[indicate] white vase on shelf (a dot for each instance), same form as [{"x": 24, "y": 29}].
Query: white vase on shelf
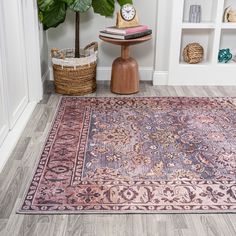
[{"x": 195, "y": 12}]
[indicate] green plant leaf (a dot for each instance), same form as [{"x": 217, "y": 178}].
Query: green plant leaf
[
  {"x": 104, "y": 7},
  {"x": 45, "y": 5},
  {"x": 123, "y": 2},
  {"x": 68, "y": 1},
  {"x": 53, "y": 12},
  {"x": 54, "y": 16},
  {"x": 79, "y": 5}
]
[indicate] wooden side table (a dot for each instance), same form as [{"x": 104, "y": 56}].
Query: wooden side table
[{"x": 125, "y": 73}]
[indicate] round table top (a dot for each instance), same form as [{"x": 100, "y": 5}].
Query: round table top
[{"x": 126, "y": 42}]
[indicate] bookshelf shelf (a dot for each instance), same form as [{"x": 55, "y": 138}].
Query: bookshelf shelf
[
  {"x": 229, "y": 64},
  {"x": 205, "y": 25},
  {"x": 203, "y": 64},
  {"x": 228, "y": 26},
  {"x": 212, "y": 33}
]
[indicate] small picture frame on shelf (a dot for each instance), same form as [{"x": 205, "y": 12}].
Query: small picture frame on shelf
[{"x": 195, "y": 13}]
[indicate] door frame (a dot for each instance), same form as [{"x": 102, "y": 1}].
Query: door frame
[
  {"x": 31, "y": 36},
  {"x": 32, "y": 49},
  {"x": 5, "y": 129},
  {"x": 33, "y": 73}
]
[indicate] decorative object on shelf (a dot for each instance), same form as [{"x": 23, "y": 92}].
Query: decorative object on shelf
[
  {"x": 232, "y": 16},
  {"x": 127, "y": 17},
  {"x": 75, "y": 76},
  {"x": 69, "y": 79},
  {"x": 195, "y": 13},
  {"x": 193, "y": 53},
  {"x": 229, "y": 15},
  {"x": 224, "y": 55},
  {"x": 226, "y": 14}
]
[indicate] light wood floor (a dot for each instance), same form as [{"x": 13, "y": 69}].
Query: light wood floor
[{"x": 19, "y": 170}]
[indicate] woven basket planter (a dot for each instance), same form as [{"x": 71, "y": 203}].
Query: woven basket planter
[{"x": 75, "y": 76}]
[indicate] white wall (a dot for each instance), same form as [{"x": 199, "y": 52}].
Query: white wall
[
  {"x": 162, "y": 42},
  {"x": 163, "y": 35},
  {"x": 155, "y": 13},
  {"x": 44, "y": 54}
]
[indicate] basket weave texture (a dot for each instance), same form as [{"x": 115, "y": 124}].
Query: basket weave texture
[
  {"x": 75, "y": 76},
  {"x": 193, "y": 53}
]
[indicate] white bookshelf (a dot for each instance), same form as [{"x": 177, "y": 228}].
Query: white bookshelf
[
  {"x": 228, "y": 26},
  {"x": 212, "y": 33}
]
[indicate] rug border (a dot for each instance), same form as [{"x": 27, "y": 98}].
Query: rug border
[{"x": 21, "y": 202}]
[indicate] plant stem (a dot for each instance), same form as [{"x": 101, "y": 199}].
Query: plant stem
[{"x": 77, "y": 35}]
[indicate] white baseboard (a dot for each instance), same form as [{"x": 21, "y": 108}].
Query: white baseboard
[
  {"x": 160, "y": 78},
  {"x": 104, "y": 73},
  {"x": 13, "y": 136},
  {"x": 46, "y": 76},
  {"x": 146, "y": 73}
]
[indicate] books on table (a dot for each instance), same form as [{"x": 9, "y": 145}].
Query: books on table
[
  {"x": 127, "y": 36},
  {"x": 126, "y": 33}
]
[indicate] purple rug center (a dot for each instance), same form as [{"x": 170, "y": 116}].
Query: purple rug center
[{"x": 153, "y": 144}]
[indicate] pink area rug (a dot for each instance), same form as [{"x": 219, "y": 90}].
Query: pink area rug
[{"x": 137, "y": 155}]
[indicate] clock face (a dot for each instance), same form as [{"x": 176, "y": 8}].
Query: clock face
[{"x": 128, "y": 12}]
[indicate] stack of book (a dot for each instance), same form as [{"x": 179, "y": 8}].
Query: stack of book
[{"x": 126, "y": 33}]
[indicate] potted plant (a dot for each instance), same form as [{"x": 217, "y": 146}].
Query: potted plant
[{"x": 74, "y": 72}]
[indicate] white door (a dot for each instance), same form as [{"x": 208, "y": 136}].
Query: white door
[
  {"x": 16, "y": 57},
  {"x": 3, "y": 111}
]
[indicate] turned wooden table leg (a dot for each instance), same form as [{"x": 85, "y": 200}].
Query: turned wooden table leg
[{"x": 125, "y": 74}]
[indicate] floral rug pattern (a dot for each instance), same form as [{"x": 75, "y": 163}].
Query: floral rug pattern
[{"x": 137, "y": 155}]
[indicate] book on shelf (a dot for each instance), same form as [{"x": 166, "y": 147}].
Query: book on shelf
[
  {"x": 127, "y": 36},
  {"x": 125, "y": 31}
]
